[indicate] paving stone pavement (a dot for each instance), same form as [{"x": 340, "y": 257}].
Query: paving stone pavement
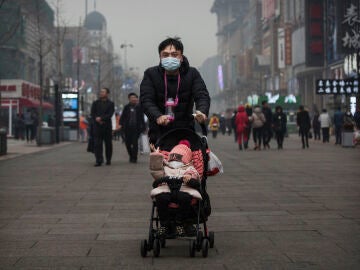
[{"x": 290, "y": 209}]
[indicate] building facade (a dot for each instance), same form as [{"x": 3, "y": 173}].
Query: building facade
[
  {"x": 27, "y": 57},
  {"x": 282, "y": 47}
]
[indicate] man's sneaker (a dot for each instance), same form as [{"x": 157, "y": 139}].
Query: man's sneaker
[{"x": 180, "y": 231}]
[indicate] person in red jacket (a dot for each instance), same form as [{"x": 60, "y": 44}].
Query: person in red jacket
[{"x": 242, "y": 122}]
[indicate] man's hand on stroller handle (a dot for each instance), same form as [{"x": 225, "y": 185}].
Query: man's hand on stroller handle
[
  {"x": 162, "y": 120},
  {"x": 199, "y": 116}
]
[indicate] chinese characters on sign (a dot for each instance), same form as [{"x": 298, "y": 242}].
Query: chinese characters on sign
[
  {"x": 337, "y": 87},
  {"x": 351, "y": 39}
]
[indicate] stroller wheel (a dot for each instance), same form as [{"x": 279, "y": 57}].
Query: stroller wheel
[
  {"x": 156, "y": 250},
  {"x": 192, "y": 248},
  {"x": 143, "y": 248},
  {"x": 211, "y": 239},
  {"x": 199, "y": 238},
  {"x": 205, "y": 247},
  {"x": 163, "y": 242}
]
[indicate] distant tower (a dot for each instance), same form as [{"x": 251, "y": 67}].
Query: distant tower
[{"x": 86, "y": 8}]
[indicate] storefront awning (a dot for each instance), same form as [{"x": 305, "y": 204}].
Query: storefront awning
[{"x": 34, "y": 103}]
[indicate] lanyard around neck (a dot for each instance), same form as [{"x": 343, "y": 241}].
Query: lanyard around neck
[{"x": 177, "y": 90}]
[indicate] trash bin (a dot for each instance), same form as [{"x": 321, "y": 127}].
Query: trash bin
[
  {"x": 47, "y": 135},
  {"x": 3, "y": 142},
  {"x": 347, "y": 139},
  {"x": 65, "y": 133}
]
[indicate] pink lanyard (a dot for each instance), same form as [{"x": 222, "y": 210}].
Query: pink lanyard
[{"x": 177, "y": 90}]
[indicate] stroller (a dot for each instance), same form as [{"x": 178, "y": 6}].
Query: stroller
[{"x": 200, "y": 239}]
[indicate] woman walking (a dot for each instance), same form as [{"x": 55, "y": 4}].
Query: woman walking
[
  {"x": 241, "y": 122},
  {"x": 257, "y": 122}
]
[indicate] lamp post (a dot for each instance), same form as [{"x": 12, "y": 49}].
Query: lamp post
[
  {"x": 97, "y": 63},
  {"x": 125, "y": 46}
]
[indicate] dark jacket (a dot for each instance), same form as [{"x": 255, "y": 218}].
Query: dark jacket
[
  {"x": 103, "y": 109},
  {"x": 338, "y": 119},
  {"x": 279, "y": 122},
  {"x": 268, "y": 116},
  {"x": 316, "y": 122},
  {"x": 125, "y": 118},
  {"x": 303, "y": 121},
  {"x": 357, "y": 119},
  {"x": 192, "y": 90}
]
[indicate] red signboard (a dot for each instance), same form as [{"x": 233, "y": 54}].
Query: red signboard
[
  {"x": 288, "y": 48},
  {"x": 314, "y": 33},
  {"x": 30, "y": 91},
  {"x": 7, "y": 88}
]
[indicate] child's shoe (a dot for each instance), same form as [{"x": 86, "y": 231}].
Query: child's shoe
[{"x": 180, "y": 230}]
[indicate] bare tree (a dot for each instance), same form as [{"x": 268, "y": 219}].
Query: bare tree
[{"x": 43, "y": 47}]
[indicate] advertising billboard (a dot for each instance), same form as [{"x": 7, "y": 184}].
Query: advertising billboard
[{"x": 70, "y": 103}]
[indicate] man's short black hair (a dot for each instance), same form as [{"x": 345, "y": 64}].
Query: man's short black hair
[
  {"x": 264, "y": 102},
  {"x": 132, "y": 94},
  {"x": 175, "y": 41},
  {"x": 107, "y": 90}
]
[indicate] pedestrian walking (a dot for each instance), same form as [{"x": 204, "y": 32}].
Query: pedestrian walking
[
  {"x": 279, "y": 125},
  {"x": 303, "y": 123},
  {"x": 116, "y": 133},
  {"x": 132, "y": 124},
  {"x": 35, "y": 125},
  {"x": 29, "y": 125},
  {"x": 233, "y": 124},
  {"x": 316, "y": 126},
  {"x": 214, "y": 124},
  {"x": 267, "y": 128},
  {"x": 242, "y": 122},
  {"x": 19, "y": 127},
  {"x": 222, "y": 123},
  {"x": 325, "y": 123},
  {"x": 357, "y": 117},
  {"x": 338, "y": 124},
  {"x": 228, "y": 123},
  {"x": 174, "y": 79},
  {"x": 248, "y": 110},
  {"x": 257, "y": 122},
  {"x": 101, "y": 113},
  {"x": 83, "y": 126},
  {"x": 349, "y": 123}
]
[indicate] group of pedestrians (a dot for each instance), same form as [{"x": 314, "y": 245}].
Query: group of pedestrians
[
  {"x": 262, "y": 123},
  {"x": 26, "y": 126}
]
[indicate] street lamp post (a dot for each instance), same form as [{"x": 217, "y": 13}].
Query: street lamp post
[
  {"x": 97, "y": 63},
  {"x": 125, "y": 46}
]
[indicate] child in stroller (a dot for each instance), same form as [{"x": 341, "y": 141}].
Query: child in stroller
[
  {"x": 179, "y": 165},
  {"x": 180, "y": 200}
]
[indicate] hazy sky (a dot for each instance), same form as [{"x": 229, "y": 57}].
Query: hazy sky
[{"x": 145, "y": 23}]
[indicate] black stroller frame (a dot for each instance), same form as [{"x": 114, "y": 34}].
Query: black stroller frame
[{"x": 202, "y": 239}]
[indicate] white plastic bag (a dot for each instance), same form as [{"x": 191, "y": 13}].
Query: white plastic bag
[
  {"x": 144, "y": 144},
  {"x": 214, "y": 165}
]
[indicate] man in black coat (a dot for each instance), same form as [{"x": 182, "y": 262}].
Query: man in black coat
[
  {"x": 304, "y": 124},
  {"x": 101, "y": 113},
  {"x": 132, "y": 124},
  {"x": 267, "y": 129},
  {"x": 173, "y": 78}
]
